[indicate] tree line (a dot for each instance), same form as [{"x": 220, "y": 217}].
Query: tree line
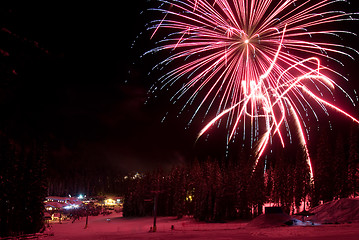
[
  {"x": 218, "y": 190},
  {"x": 22, "y": 186}
]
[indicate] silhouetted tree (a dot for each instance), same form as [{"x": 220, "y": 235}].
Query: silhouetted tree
[
  {"x": 179, "y": 184},
  {"x": 340, "y": 166},
  {"x": 23, "y": 186},
  {"x": 256, "y": 189},
  {"x": 323, "y": 170},
  {"x": 301, "y": 178},
  {"x": 353, "y": 162}
]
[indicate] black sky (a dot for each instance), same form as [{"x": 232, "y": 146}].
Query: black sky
[
  {"x": 87, "y": 105},
  {"x": 83, "y": 107}
]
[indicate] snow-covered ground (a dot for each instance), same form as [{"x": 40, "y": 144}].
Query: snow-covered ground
[
  {"x": 338, "y": 211},
  {"x": 116, "y": 227}
]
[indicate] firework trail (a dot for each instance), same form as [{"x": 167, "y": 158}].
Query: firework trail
[{"x": 253, "y": 60}]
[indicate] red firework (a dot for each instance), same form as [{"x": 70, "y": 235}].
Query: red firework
[{"x": 253, "y": 60}]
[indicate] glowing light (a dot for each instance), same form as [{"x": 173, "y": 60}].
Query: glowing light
[
  {"x": 71, "y": 206},
  {"x": 253, "y": 61},
  {"x": 110, "y": 202}
]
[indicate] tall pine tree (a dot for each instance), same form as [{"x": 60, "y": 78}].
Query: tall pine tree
[
  {"x": 323, "y": 170},
  {"x": 340, "y": 165},
  {"x": 23, "y": 187},
  {"x": 353, "y": 162}
]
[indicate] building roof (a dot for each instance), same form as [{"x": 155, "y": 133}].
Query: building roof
[{"x": 55, "y": 204}]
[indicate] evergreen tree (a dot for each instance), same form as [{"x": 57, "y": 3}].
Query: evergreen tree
[
  {"x": 269, "y": 183},
  {"x": 323, "y": 170},
  {"x": 243, "y": 176},
  {"x": 169, "y": 186},
  {"x": 230, "y": 187},
  {"x": 353, "y": 162},
  {"x": 301, "y": 178},
  {"x": 138, "y": 191},
  {"x": 195, "y": 186},
  {"x": 218, "y": 192},
  {"x": 256, "y": 189},
  {"x": 23, "y": 187},
  {"x": 340, "y": 165},
  {"x": 283, "y": 182},
  {"x": 7, "y": 183},
  {"x": 35, "y": 190},
  {"x": 180, "y": 191}
]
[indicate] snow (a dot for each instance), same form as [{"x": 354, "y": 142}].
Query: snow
[
  {"x": 270, "y": 220},
  {"x": 339, "y": 211},
  {"x": 116, "y": 227}
]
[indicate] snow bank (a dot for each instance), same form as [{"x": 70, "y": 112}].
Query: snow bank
[
  {"x": 339, "y": 211},
  {"x": 271, "y": 220}
]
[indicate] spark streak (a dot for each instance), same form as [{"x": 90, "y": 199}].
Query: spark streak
[{"x": 252, "y": 59}]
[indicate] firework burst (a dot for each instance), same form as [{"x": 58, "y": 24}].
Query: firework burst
[{"x": 253, "y": 60}]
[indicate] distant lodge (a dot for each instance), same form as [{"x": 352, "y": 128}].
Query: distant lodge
[{"x": 55, "y": 205}]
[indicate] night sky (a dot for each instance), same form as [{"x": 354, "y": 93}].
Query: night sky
[{"x": 91, "y": 107}]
